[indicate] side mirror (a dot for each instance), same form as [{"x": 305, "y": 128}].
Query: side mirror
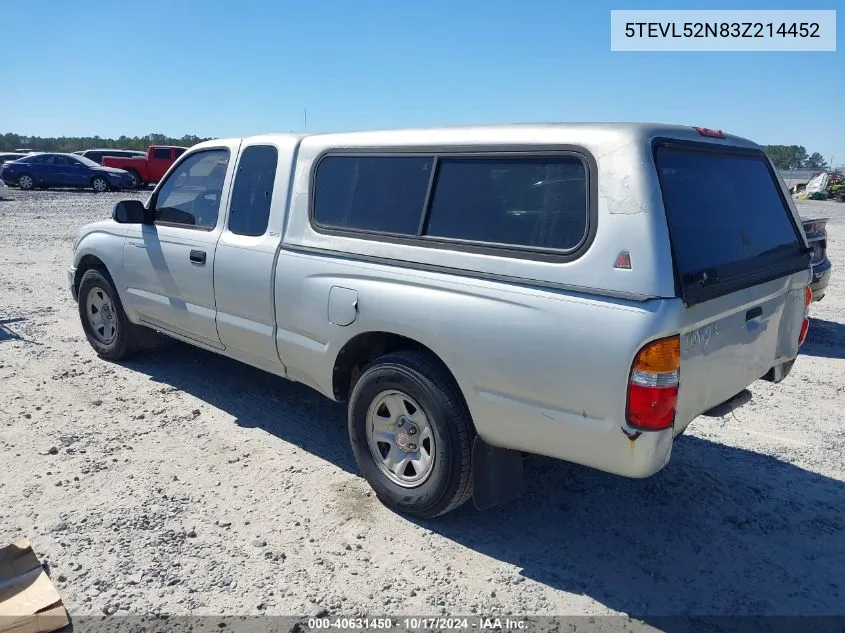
[{"x": 130, "y": 212}]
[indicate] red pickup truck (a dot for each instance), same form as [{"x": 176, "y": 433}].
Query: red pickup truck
[{"x": 149, "y": 168}]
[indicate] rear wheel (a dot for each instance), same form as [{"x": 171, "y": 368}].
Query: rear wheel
[
  {"x": 107, "y": 328},
  {"x": 26, "y": 182},
  {"x": 412, "y": 435},
  {"x": 99, "y": 184}
]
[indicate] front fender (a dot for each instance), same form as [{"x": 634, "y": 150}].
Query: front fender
[{"x": 102, "y": 241}]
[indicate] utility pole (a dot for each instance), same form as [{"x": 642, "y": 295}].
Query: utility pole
[{"x": 305, "y": 117}]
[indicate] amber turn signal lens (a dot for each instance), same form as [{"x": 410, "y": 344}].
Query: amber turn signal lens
[{"x": 661, "y": 356}]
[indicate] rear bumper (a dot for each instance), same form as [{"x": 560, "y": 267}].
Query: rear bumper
[
  {"x": 779, "y": 372},
  {"x": 599, "y": 444},
  {"x": 120, "y": 182},
  {"x": 71, "y": 281},
  {"x": 821, "y": 278}
]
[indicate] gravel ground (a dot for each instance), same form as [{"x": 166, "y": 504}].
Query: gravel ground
[{"x": 186, "y": 483}]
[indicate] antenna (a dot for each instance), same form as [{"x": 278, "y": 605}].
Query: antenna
[{"x": 305, "y": 117}]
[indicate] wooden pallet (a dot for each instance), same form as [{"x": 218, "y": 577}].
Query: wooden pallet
[{"x": 29, "y": 602}]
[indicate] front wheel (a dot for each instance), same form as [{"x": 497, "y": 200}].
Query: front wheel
[
  {"x": 412, "y": 434},
  {"x": 26, "y": 182},
  {"x": 137, "y": 183},
  {"x": 107, "y": 328},
  {"x": 99, "y": 184}
]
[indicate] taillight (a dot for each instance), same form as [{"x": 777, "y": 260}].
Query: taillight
[
  {"x": 805, "y": 325},
  {"x": 653, "y": 385},
  {"x": 711, "y": 133}
]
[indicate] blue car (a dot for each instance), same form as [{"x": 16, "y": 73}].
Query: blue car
[{"x": 63, "y": 170}]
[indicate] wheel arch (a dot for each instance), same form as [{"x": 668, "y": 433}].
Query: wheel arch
[
  {"x": 90, "y": 261},
  {"x": 86, "y": 263},
  {"x": 363, "y": 348}
]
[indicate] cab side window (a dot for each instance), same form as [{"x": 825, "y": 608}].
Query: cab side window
[
  {"x": 191, "y": 194},
  {"x": 252, "y": 193}
]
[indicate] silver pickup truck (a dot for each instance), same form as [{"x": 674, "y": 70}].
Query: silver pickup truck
[{"x": 581, "y": 291}]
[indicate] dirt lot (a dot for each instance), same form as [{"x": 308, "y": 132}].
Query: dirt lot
[{"x": 182, "y": 482}]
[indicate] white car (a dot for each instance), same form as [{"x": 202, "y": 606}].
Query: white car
[{"x": 4, "y": 191}]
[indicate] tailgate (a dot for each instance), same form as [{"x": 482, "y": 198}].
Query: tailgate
[
  {"x": 741, "y": 266},
  {"x": 730, "y": 342}
]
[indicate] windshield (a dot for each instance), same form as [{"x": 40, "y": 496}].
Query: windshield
[{"x": 86, "y": 161}]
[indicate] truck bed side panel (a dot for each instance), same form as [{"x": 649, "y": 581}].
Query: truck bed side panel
[{"x": 542, "y": 371}]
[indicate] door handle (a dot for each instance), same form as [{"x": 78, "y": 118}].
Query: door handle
[
  {"x": 198, "y": 257},
  {"x": 754, "y": 313}
]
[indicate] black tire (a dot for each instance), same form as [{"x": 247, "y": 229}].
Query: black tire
[
  {"x": 422, "y": 377},
  {"x": 100, "y": 184},
  {"x": 26, "y": 182},
  {"x": 138, "y": 184},
  {"x": 128, "y": 339}
]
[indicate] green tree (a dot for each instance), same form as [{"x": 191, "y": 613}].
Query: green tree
[
  {"x": 815, "y": 161},
  {"x": 11, "y": 141},
  {"x": 787, "y": 156}
]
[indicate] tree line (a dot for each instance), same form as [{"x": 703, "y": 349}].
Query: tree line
[
  {"x": 9, "y": 142},
  {"x": 795, "y": 157}
]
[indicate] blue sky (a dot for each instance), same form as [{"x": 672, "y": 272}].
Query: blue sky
[{"x": 242, "y": 67}]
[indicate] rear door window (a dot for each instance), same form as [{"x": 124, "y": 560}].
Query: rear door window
[
  {"x": 161, "y": 152},
  {"x": 729, "y": 224},
  {"x": 249, "y": 210}
]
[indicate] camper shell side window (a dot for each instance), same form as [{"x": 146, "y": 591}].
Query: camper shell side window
[{"x": 531, "y": 205}]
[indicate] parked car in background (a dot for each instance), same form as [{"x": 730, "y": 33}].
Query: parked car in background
[
  {"x": 62, "y": 170},
  {"x": 5, "y": 156},
  {"x": 149, "y": 167},
  {"x": 26, "y": 150},
  {"x": 97, "y": 155},
  {"x": 578, "y": 291},
  {"x": 816, "y": 232}
]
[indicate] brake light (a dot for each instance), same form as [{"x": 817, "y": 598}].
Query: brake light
[
  {"x": 705, "y": 131},
  {"x": 805, "y": 324},
  {"x": 653, "y": 385}
]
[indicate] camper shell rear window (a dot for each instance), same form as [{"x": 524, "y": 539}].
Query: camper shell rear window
[{"x": 729, "y": 223}]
